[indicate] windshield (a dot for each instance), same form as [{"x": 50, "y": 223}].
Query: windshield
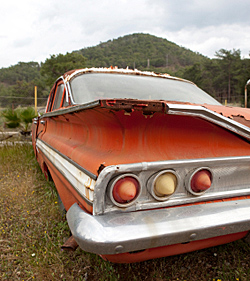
[{"x": 93, "y": 86}]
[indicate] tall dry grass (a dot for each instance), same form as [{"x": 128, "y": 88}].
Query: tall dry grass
[{"x": 32, "y": 229}]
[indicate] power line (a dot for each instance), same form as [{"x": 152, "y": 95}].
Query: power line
[{"x": 15, "y": 97}]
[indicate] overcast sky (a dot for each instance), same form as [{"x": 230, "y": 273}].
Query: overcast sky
[{"x": 33, "y": 30}]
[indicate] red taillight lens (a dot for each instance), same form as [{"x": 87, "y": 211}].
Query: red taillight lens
[
  {"x": 201, "y": 181},
  {"x": 125, "y": 189}
]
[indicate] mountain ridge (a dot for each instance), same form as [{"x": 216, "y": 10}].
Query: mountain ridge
[{"x": 140, "y": 50}]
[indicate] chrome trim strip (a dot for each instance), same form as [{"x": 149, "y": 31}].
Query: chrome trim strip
[
  {"x": 211, "y": 116},
  {"x": 72, "y": 109},
  {"x": 92, "y": 176},
  {"x": 235, "y": 168},
  {"x": 66, "y": 89},
  {"x": 70, "y": 92},
  {"x": 120, "y": 233},
  {"x": 74, "y": 173},
  {"x": 174, "y": 109}
]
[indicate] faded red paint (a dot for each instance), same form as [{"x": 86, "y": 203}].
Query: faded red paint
[
  {"x": 108, "y": 137},
  {"x": 239, "y": 114},
  {"x": 172, "y": 250},
  {"x": 129, "y": 132}
]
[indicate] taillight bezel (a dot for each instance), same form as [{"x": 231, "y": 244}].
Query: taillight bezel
[
  {"x": 191, "y": 175},
  {"x": 152, "y": 180},
  {"x": 112, "y": 185}
]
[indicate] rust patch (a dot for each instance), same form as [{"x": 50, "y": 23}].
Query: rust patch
[
  {"x": 238, "y": 114},
  {"x": 101, "y": 167},
  {"x": 70, "y": 244},
  {"x": 148, "y": 107}
]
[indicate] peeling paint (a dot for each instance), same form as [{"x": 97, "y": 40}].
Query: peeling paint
[
  {"x": 239, "y": 114},
  {"x": 69, "y": 75}
]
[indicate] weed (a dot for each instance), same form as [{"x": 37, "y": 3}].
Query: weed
[{"x": 32, "y": 230}]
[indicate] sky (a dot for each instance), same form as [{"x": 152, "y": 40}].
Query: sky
[{"x": 34, "y": 30}]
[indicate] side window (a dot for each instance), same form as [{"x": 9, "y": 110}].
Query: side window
[
  {"x": 65, "y": 103},
  {"x": 58, "y": 96}
]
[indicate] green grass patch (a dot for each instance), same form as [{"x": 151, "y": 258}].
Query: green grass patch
[{"x": 32, "y": 230}]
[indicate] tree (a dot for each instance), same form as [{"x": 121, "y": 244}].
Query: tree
[
  {"x": 229, "y": 62},
  {"x": 56, "y": 66}
]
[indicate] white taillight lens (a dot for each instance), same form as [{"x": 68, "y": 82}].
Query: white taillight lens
[{"x": 163, "y": 184}]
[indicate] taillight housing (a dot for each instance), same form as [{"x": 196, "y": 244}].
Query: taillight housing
[
  {"x": 163, "y": 184},
  {"x": 124, "y": 190},
  {"x": 199, "y": 181}
]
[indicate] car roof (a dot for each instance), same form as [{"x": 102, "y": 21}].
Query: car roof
[{"x": 115, "y": 70}]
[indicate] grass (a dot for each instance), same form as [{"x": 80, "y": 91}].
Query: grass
[{"x": 32, "y": 229}]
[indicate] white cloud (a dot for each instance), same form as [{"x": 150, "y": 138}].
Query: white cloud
[
  {"x": 33, "y": 30},
  {"x": 210, "y": 39}
]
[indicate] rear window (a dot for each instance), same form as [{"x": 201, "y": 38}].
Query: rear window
[{"x": 92, "y": 86}]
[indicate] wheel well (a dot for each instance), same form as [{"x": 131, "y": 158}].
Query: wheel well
[{"x": 47, "y": 172}]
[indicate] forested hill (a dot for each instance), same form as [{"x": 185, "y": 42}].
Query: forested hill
[
  {"x": 223, "y": 77},
  {"x": 140, "y": 51}
]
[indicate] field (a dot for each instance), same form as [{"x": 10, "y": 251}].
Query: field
[{"x": 32, "y": 230}]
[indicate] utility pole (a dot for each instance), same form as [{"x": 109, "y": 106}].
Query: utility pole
[
  {"x": 35, "y": 99},
  {"x": 248, "y": 83}
]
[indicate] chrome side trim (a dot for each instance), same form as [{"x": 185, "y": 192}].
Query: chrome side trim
[
  {"x": 211, "y": 116},
  {"x": 72, "y": 109},
  {"x": 74, "y": 173},
  {"x": 120, "y": 233}
]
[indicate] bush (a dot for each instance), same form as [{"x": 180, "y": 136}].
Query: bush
[{"x": 19, "y": 118}]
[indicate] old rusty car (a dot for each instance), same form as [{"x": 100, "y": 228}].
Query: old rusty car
[{"x": 146, "y": 165}]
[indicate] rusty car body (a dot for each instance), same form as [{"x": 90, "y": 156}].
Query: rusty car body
[{"x": 146, "y": 165}]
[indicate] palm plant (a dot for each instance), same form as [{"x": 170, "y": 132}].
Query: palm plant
[
  {"x": 12, "y": 118},
  {"x": 19, "y": 118},
  {"x": 26, "y": 116}
]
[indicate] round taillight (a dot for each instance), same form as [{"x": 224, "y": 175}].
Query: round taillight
[
  {"x": 124, "y": 190},
  {"x": 163, "y": 184},
  {"x": 200, "y": 181}
]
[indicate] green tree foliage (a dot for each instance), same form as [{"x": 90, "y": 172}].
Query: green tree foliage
[
  {"x": 56, "y": 66},
  {"x": 229, "y": 69},
  {"x": 223, "y": 77},
  {"x": 17, "y": 85},
  {"x": 20, "y": 72},
  {"x": 141, "y": 51}
]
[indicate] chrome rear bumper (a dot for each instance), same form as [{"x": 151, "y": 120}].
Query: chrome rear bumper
[{"x": 126, "y": 232}]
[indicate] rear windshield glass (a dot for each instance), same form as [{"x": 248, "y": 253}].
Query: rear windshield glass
[{"x": 93, "y": 86}]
